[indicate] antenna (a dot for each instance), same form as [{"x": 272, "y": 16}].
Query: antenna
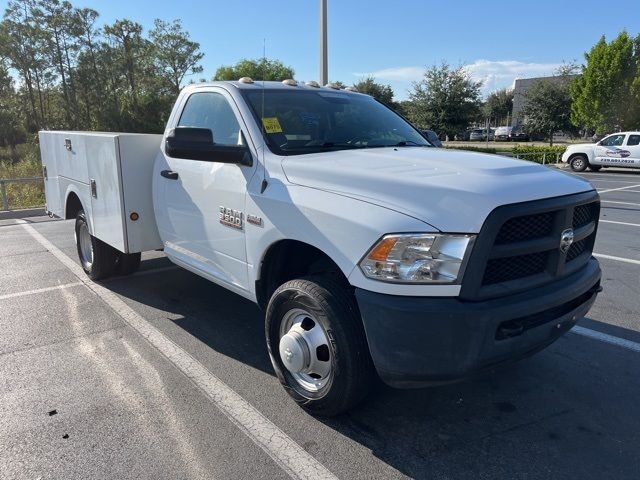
[{"x": 263, "y": 187}]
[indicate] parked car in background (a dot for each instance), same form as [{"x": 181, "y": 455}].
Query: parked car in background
[
  {"x": 517, "y": 134},
  {"x": 432, "y": 137},
  {"x": 480, "y": 135},
  {"x": 620, "y": 149},
  {"x": 464, "y": 136},
  {"x": 502, "y": 134}
]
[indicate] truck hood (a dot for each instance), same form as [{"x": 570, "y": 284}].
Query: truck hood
[
  {"x": 451, "y": 190},
  {"x": 580, "y": 145}
]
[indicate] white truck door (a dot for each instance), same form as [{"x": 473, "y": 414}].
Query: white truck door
[
  {"x": 188, "y": 205},
  {"x": 633, "y": 146},
  {"x": 609, "y": 152}
]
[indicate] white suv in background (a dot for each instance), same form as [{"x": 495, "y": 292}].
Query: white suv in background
[{"x": 616, "y": 150}]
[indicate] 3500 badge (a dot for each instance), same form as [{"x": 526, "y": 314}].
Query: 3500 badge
[{"x": 230, "y": 217}]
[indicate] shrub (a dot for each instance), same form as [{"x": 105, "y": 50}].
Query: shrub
[
  {"x": 475, "y": 149},
  {"x": 538, "y": 154},
  {"x": 24, "y": 164}
]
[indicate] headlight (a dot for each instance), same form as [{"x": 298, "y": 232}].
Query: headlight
[{"x": 418, "y": 258}]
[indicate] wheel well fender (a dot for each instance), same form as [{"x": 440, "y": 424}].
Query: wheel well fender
[
  {"x": 585, "y": 155},
  {"x": 287, "y": 259},
  {"x": 72, "y": 205}
]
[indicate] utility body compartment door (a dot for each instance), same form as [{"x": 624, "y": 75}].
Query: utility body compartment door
[
  {"x": 53, "y": 194},
  {"x": 107, "y": 202}
]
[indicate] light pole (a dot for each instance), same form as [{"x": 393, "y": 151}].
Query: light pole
[{"x": 324, "y": 75}]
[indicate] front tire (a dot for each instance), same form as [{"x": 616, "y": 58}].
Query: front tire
[
  {"x": 314, "y": 327},
  {"x": 98, "y": 259},
  {"x": 579, "y": 163}
]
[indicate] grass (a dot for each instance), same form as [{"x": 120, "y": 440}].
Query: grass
[{"x": 24, "y": 163}]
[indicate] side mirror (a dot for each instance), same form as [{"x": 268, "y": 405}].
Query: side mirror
[{"x": 197, "y": 144}]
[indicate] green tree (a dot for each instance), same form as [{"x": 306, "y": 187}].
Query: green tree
[
  {"x": 175, "y": 54},
  {"x": 21, "y": 44},
  {"x": 446, "y": 100},
  {"x": 11, "y": 124},
  {"x": 547, "y": 108},
  {"x": 260, "y": 69},
  {"x": 337, "y": 83},
  {"x": 498, "y": 106},
  {"x": 606, "y": 96},
  {"x": 382, "y": 93}
]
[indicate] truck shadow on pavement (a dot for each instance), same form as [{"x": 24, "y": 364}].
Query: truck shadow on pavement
[{"x": 568, "y": 412}]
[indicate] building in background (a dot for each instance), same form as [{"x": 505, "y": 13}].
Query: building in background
[{"x": 521, "y": 87}]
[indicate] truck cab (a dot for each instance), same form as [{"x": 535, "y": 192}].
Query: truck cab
[{"x": 370, "y": 251}]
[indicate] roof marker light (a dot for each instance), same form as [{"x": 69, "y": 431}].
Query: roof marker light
[
  {"x": 351, "y": 89},
  {"x": 246, "y": 80},
  {"x": 333, "y": 86},
  {"x": 291, "y": 82},
  {"x": 313, "y": 83}
]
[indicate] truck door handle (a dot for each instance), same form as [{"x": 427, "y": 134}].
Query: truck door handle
[{"x": 169, "y": 174}]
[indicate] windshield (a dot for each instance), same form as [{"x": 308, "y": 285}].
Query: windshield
[{"x": 297, "y": 122}]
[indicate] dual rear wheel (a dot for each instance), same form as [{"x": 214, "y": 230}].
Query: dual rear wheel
[{"x": 98, "y": 259}]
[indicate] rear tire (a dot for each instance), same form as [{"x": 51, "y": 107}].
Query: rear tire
[
  {"x": 127, "y": 263},
  {"x": 332, "y": 342},
  {"x": 98, "y": 259},
  {"x": 579, "y": 163}
]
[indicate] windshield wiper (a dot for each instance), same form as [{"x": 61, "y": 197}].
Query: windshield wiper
[
  {"x": 324, "y": 146},
  {"x": 409, "y": 143}
]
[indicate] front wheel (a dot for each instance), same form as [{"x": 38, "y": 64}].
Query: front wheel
[
  {"x": 579, "y": 163},
  {"x": 98, "y": 259},
  {"x": 317, "y": 345}
]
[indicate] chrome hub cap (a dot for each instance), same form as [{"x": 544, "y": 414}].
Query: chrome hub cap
[
  {"x": 578, "y": 163},
  {"x": 304, "y": 350},
  {"x": 86, "y": 249}
]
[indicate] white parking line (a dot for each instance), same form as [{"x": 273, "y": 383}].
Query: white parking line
[
  {"x": 621, "y": 203},
  {"x": 604, "y": 337},
  {"x": 290, "y": 456},
  {"x": 608, "y": 181},
  {"x": 39, "y": 290},
  {"x": 607, "y": 175},
  {"x": 617, "y": 259},
  {"x": 616, "y": 189},
  {"x": 621, "y": 223}
]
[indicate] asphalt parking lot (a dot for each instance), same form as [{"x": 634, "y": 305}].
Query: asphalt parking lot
[{"x": 88, "y": 390}]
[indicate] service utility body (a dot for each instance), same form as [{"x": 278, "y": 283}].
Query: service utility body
[{"x": 370, "y": 251}]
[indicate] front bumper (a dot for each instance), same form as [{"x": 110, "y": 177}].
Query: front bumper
[{"x": 417, "y": 341}]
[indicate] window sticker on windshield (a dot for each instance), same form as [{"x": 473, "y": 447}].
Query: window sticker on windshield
[{"x": 271, "y": 125}]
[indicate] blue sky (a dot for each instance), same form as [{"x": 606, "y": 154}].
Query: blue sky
[{"x": 394, "y": 41}]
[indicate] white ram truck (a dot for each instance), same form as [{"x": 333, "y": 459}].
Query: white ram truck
[
  {"x": 370, "y": 251},
  {"x": 617, "y": 150}
]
